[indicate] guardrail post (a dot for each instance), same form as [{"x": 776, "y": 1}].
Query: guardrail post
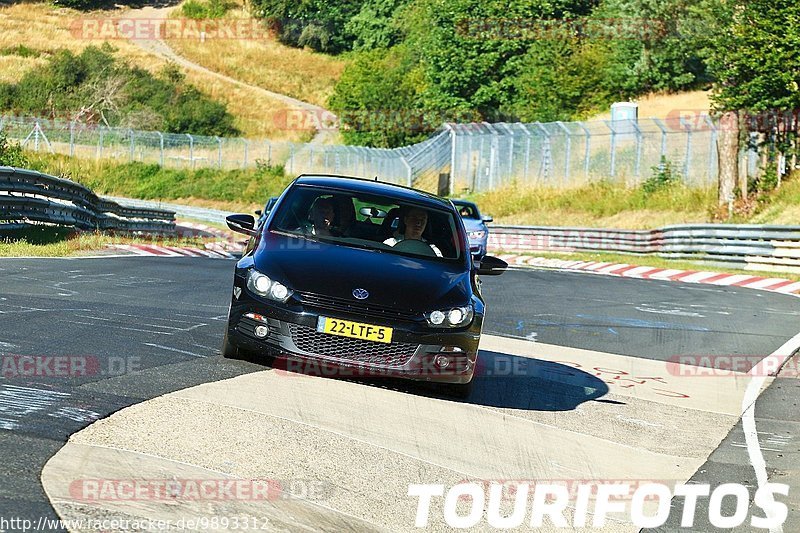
[
  {"x": 191, "y": 150},
  {"x": 219, "y": 153}
]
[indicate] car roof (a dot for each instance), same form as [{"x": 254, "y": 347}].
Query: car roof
[
  {"x": 466, "y": 202},
  {"x": 362, "y": 185}
]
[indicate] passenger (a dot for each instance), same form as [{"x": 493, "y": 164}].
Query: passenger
[
  {"x": 345, "y": 217},
  {"x": 413, "y": 225},
  {"x": 321, "y": 216}
]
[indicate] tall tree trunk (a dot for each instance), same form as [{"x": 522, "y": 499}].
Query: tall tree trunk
[{"x": 728, "y": 150}]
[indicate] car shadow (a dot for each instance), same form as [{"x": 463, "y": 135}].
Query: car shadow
[
  {"x": 514, "y": 382},
  {"x": 500, "y": 380}
]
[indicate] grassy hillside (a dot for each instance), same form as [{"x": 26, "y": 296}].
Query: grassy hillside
[{"x": 44, "y": 29}]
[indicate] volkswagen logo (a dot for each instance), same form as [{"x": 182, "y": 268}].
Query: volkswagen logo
[{"x": 360, "y": 294}]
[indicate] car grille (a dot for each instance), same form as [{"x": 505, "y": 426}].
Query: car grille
[
  {"x": 393, "y": 354},
  {"x": 356, "y": 307}
]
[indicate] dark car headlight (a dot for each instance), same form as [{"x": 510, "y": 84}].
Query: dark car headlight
[
  {"x": 477, "y": 234},
  {"x": 262, "y": 285},
  {"x": 453, "y": 317}
]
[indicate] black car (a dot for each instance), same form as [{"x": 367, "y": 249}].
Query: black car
[{"x": 359, "y": 275}]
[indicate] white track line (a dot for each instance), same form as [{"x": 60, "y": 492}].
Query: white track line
[{"x": 778, "y": 357}]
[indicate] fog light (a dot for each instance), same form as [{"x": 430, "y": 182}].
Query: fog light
[
  {"x": 442, "y": 361},
  {"x": 261, "y": 331}
]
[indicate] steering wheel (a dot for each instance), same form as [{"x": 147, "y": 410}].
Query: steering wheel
[{"x": 415, "y": 246}]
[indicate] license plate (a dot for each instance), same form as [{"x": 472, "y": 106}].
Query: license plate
[{"x": 354, "y": 330}]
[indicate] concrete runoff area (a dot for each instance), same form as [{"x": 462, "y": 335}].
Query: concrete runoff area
[{"x": 365, "y": 444}]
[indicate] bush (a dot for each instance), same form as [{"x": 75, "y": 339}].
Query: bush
[
  {"x": 96, "y": 87},
  {"x": 664, "y": 176},
  {"x": 11, "y": 154},
  {"x": 212, "y": 9}
]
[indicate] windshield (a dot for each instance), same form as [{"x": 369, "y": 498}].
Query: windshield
[
  {"x": 374, "y": 222},
  {"x": 467, "y": 210}
]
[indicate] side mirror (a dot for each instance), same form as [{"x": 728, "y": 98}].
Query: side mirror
[
  {"x": 242, "y": 224},
  {"x": 257, "y": 212},
  {"x": 491, "y": 266},
  {"x": 487, "y": 218},
  {"x": 372, "y": 212}
]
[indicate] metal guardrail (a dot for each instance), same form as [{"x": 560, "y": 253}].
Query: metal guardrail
[
  {"x": 27, "y": 197},
  {"x": 750, "y": 246}
]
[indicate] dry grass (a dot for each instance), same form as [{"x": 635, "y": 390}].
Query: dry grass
[
  {"x": 45, "y": 28},
  {"x": 660, "y": 105},
  {"x": 12, "y": 68},
  {"x": 301, "y": 74}
]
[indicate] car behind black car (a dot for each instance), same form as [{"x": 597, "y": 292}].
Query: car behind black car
[{"x": 360, "y": 275}]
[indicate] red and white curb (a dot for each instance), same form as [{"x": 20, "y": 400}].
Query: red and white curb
[
  {"x": 172, "y": 251},
  {"x": 781, "y": 285}
]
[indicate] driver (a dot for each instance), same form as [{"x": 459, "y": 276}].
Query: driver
[
  {"x": 321, "y": 216},
  {"x": 414, "y": 222}
]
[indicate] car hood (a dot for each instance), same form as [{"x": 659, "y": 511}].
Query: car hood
[
  {"x": 335, "y": 270},
  {"x": 470, "y": 224}
]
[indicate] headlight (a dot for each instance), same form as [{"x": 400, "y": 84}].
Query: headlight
[
  {"x": 263, "y": 286},
  {"x": 477, "y": 234},
  {"x": 450, "y": 318}
]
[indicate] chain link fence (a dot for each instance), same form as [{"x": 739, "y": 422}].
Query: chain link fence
[{"x": 478, "y": 156}]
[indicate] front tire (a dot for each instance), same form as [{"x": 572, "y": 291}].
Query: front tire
[{"x": 229, "y": 350}]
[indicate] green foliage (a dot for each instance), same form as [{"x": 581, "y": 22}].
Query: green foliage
[
  {"x": 754, "y": 58},
  {"x": 96, "y": 87},
  {"x": 664, "y": 176},
  {"x": 11, "y": 154},
  {"x": 211, "y": 9},
  {"x": 318, "y": 24},
  {"x": 20, "y": 50}
]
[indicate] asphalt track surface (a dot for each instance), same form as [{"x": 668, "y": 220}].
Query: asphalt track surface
[{"x": 151, "y": 326}]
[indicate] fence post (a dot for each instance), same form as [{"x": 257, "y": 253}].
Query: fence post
[
  {"x": 613, "y": 148},
  {"x": 527, "y": 150},
  {"x": 712, "y": 156},
  {"x": 246, "y": 150},
  {"x": 569, "y": 151},
  {"x": 492, "y": 154},
  {"x": 291, "y": 158},
  {"x": 219, "y": 153},
  {"x": 544, "y": 166},
  {"x": 663, "y": 137},
  {"x": 72, "y": 138},
  {"x": 130, "y": 158},
  {"x": 191, "y": 150},
  {"x": 637, "y": 168},
  {"x": 99, "y": 152},
  {"x": 161, "y": 147},
  {"x": 452, "y": 136},
  {"x": 688, "y": 150},
  {"x": 409, "y": 177},
  {"x": 586, "y": 154}
]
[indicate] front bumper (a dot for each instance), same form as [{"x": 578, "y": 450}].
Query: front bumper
[{"x": 294, "y": 339}]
